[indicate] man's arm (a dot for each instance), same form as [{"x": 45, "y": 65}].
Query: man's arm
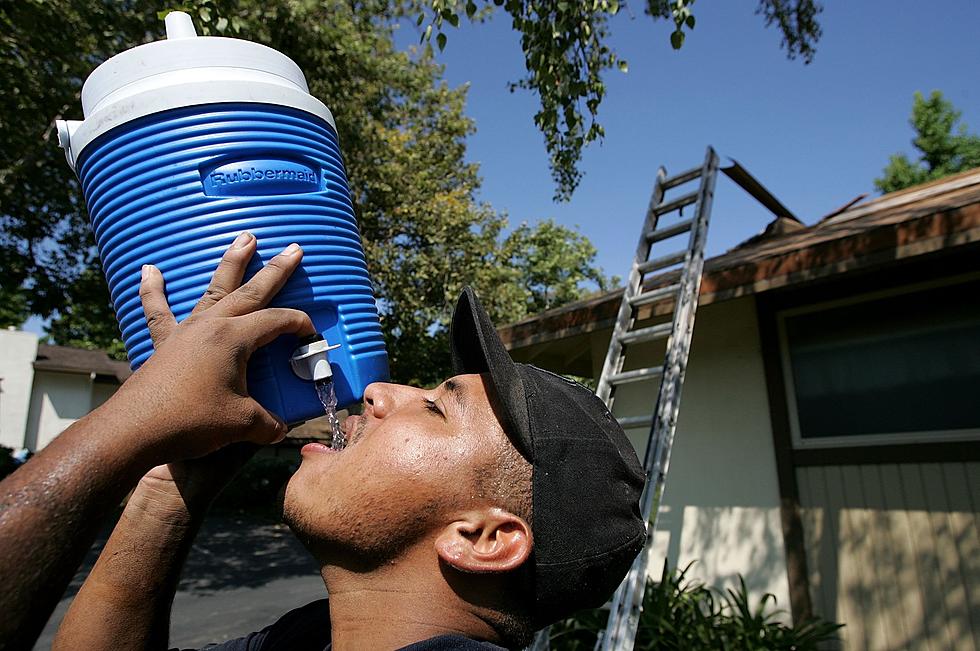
[
  {"x": 187, "y": 401},
  {"x": 125, "y": 602},
  {"x": 50, "y": 511}
]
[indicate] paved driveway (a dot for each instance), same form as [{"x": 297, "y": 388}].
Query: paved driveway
[{"x": 242, "y": 574}]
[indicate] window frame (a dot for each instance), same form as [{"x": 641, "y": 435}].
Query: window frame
[{"x": 859, "y": 440}]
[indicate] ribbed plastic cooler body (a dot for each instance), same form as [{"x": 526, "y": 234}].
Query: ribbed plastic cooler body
[{"x": 175, "y": 188}]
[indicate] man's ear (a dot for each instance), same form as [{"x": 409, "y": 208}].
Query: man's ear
[{"x": 485, "y": 541}]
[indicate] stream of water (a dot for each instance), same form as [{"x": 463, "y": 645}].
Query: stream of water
[{"x": 328, "y": 397}]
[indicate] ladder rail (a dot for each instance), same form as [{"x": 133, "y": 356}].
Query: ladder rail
[
  {"x": 620, "y": 633},
  {"x": 614, "y": 357},
  {"x": 627, "y": 602}
]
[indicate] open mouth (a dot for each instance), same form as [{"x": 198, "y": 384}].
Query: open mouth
[{"x": 352, "y": 429}]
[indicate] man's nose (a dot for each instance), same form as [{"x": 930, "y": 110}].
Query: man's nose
[{"x": 384, "y": 397}]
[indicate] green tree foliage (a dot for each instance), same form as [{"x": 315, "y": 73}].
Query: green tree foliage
[
  {"x": 47, "y": 48},
  {"x": 85, "y": 319},
  {"x": 566, "y": 52},
  {"x": 943, "y": 148},
  {"x": 402, "y": 128},
  {"x": 550, "y": 263},
  {"x": 13, "y": 309}
]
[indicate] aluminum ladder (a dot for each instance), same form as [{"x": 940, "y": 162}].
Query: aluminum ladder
[
  {"x": 620, "y": 633},
  {"x": 624, "y": 614}
]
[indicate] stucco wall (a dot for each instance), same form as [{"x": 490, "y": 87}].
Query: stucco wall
[
  {"x": 17, "y": 353},
  {"x": 102, "y": 391},
  {"x": 722, "y": 497},
  {"x": 58, "y": 400}
]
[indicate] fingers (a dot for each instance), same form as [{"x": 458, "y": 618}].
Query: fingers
[
  {"x": 228, "y": 276},
  {"x": 257, "y": 292},
  {"x": 159, "y": 319},
  {"x": 265, "y": 325},
  {"x": 264, "y": 427}
]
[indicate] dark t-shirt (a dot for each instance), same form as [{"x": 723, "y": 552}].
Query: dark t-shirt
[{"x": 308, "y": 629}]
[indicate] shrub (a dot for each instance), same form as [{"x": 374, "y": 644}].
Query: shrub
[{"x": 680, "y": 613}]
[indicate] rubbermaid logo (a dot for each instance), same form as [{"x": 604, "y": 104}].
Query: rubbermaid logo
[
  {"x": 261, "y": 177},
  {"x": 254, "y": 174}
]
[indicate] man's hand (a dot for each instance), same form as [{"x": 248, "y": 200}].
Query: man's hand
[
  {"x": 186, "y": 488},
  {"x": 188, "y": 400},
  {"x": 190, "y": 397}
]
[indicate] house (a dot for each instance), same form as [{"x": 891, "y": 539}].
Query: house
[
  {"x": 44, "y": 388},
  {"x": 828, "y": 443}
]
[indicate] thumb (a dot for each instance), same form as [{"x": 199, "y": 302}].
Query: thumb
[
  {"x": 264, "y": 426},
  {"x": 260, "y": 328}
]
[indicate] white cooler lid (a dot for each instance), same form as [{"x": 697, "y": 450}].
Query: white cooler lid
[{"x": 185, "y": 70}]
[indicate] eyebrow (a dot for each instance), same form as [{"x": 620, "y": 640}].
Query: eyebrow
[{"x": 457, "y": 391}]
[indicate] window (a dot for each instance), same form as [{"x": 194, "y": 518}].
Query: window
[{"x": 898, "y": 368}]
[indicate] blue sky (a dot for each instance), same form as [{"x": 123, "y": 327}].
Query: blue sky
[{"x": 815, "y": 135}]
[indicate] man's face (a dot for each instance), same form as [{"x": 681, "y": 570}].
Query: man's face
[{"x": 409, "y": 467}]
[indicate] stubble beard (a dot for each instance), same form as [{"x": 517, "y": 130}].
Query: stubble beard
[{"x": 365, "y": 531}]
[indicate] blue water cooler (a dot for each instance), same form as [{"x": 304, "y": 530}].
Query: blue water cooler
[{"x": 191, "y": 140}]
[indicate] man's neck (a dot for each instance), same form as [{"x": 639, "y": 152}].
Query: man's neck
[{"x": 405, "y": 601}]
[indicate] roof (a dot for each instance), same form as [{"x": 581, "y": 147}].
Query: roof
[
  {"x": 927, "y": 218},
  {"x": 66, "y": 359}
]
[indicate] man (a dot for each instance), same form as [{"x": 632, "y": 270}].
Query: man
[{"x": 461, "y": 517}]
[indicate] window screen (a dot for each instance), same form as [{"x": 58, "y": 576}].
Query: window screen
[{"x": 908, "y": 363}]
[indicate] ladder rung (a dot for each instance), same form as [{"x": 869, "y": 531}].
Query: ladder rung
[
  {"x": 679, "y": 202},
  {"x": 629, "y": 422},
  {"x": 638, "y": 375},
  {"x": 660, "y": 263},
  {"x": 682, "y": 178},
  {"x": 647, "y": 334},
  {"x": 669, "y": 231},
  {"x": 654, "y": 295}
]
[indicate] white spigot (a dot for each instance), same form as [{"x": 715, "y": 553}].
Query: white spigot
[
  {"x": 311, "y": 362},
  {"x": 65, "y": 130},
  {"x": 179, "y": 25}
]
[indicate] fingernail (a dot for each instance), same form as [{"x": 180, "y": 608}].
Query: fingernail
[
  {"x": 145, "y": 272},
  {"x": 242, "y": 240},
  {"x": 292, "y": 249}
]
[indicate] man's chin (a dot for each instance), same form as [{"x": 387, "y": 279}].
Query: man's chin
[
  {"x": 289, "y": 503},
  {"x": 302, "y": 520},
  {"x": 297, "y": 510}
]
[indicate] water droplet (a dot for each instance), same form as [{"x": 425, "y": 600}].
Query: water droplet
[{"x": 328, "y": 398}]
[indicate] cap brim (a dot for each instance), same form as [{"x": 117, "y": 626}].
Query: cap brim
[{"x": 476, "y": 348}]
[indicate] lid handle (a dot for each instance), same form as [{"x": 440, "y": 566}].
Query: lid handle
[{"x": 179, "y": 25}]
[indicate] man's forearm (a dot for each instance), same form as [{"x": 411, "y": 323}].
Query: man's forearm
[
  {"x": 50, "y": 511},
  {"x": 125, "y": 602}
]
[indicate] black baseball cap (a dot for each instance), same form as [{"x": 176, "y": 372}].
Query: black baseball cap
[{"x": 586, "y": 479}]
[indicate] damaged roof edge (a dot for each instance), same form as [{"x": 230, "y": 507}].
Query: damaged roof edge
[
  {"x": 922, "y": 219},
  {"x": 741, "y": 177}
]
